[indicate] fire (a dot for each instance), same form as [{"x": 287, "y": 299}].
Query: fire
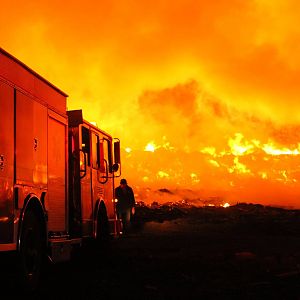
[
  {"x": 128, "y": 150},
  {"x": 162, "y": 174},
  {"x": 145, "y": 179},
  {"x": 220, "y": 119},
  {"x": 150, "y": 147},
  {"x": 195, "y": 178},
  {"x": 263, "y": 175},
  {"x": 238, "y": 167},
  {"x": 209, "y": 150},
  {"x": 239, "y": 146},
  {"x": 214, "y": 163},
  {"x": 225, "y": 205},
  {"x": 272, "y": 150}
]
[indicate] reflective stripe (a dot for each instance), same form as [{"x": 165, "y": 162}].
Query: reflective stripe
[{"x": 8, "y": 247}]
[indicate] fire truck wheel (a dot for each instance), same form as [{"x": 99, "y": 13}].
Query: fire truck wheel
[
  {"x": 102, "y": 225},
  {"x": 31, "y": 251}
]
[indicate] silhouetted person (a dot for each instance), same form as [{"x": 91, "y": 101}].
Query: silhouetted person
[{"x": 126, "y": 203}]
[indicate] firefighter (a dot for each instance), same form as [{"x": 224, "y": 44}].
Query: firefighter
[{"x": 125, "y": 204}]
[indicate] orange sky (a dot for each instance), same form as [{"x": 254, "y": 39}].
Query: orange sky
[{"x": 194, "y": 78}]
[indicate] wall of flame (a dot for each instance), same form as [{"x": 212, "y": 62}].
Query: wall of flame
[{"x": 203, "y": 94}]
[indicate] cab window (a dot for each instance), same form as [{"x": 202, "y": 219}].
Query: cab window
[
  {"x": 95, "y": 151},
  {"x": 107, "y": 153},
  {"x": 85, "y": 146}
]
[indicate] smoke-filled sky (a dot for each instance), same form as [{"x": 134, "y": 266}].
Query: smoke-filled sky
[{"x": 205, "y": 84}]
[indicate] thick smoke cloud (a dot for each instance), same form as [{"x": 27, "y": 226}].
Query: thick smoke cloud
[
  {"x": 189, "y": 116},
  {"x": 187, "y": 74},
  {"x": 109, "y": 52}
]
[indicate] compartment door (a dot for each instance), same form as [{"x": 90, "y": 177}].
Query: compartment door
[
  {"x": 6, "y": 162},
  {"x": 57, "y": 193}
]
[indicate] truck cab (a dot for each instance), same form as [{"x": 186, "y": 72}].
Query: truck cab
[{"x": 94, "y": 163}]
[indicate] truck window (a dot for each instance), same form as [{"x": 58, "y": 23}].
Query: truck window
[
  {"x": 109, "y": 156},
  {"x": 95, "y": 151},
  {"x": 107, "y": 153},
  {"x": 85, "y": 146}
]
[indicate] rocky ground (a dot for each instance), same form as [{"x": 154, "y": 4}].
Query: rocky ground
[{"x": 178, "y": 251}]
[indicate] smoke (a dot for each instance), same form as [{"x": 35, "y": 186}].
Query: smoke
[
  {"x": 189, "y": 116},
  {"x": 187, "y": 75},
  {"x": 104, "y": 54}
]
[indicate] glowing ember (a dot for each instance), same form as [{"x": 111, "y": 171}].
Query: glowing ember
[
  {"x": 238, "y": 146},
  {"x": 263, "y": 175},
  {"x": 162, "y": 174},
  {"x": 128, "y": 150},
  {"x": 271, "y": 149},
  {"x": 145, "y": 178},
  {"x": 195, "y": 178},
  {"x": 209, "y": 150},
  {"x": 151, "y": 147},
  {"x": 214, "y": 163},
  {"x": 226, "y": 205},
  {"x": 238, "y": 167}
]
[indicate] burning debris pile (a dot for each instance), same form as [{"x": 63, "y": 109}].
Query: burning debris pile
[
  {"x": 161, "y": 212},
  {"x": 240, "y": 166},
  {"x": 243, "y": 217}
]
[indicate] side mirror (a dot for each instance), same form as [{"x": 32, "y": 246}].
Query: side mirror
[
  {"x": 115, "y": 167},
  {"x": 117, "y": 152}
]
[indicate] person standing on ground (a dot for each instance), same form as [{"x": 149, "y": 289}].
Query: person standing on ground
[{"x": 125, "y": 204}]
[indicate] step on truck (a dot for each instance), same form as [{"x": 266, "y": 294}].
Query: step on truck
[{"x": 56, "y": 173}]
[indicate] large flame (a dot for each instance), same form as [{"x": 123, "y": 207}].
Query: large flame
[{"x": 204, "y": 95}]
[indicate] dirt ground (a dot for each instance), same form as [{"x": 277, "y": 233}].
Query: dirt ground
[{"x": 187, "y": 254}]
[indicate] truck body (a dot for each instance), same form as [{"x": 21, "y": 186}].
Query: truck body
[{"x": 56, "y": 172}]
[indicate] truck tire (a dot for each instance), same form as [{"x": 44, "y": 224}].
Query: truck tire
[
  {"x": 31, "y": 251},
  {"x": 102, "y": 225}
]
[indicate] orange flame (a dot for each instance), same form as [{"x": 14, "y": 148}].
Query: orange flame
[{"x": 218, "y": 102}]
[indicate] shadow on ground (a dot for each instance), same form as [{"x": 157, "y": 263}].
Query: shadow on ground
[{"x": 180, "y": 252}]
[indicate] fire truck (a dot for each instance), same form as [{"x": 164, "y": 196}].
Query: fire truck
[{"x": 56, "y": 173}]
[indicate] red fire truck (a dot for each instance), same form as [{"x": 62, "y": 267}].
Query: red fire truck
[{"x": 56, "y": 172}]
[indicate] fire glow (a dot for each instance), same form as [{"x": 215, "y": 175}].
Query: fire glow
[
  {"x": 151, "y": 147},
  {"x": 200, "y": 103},
  {"x": 242, "y": 169}
]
